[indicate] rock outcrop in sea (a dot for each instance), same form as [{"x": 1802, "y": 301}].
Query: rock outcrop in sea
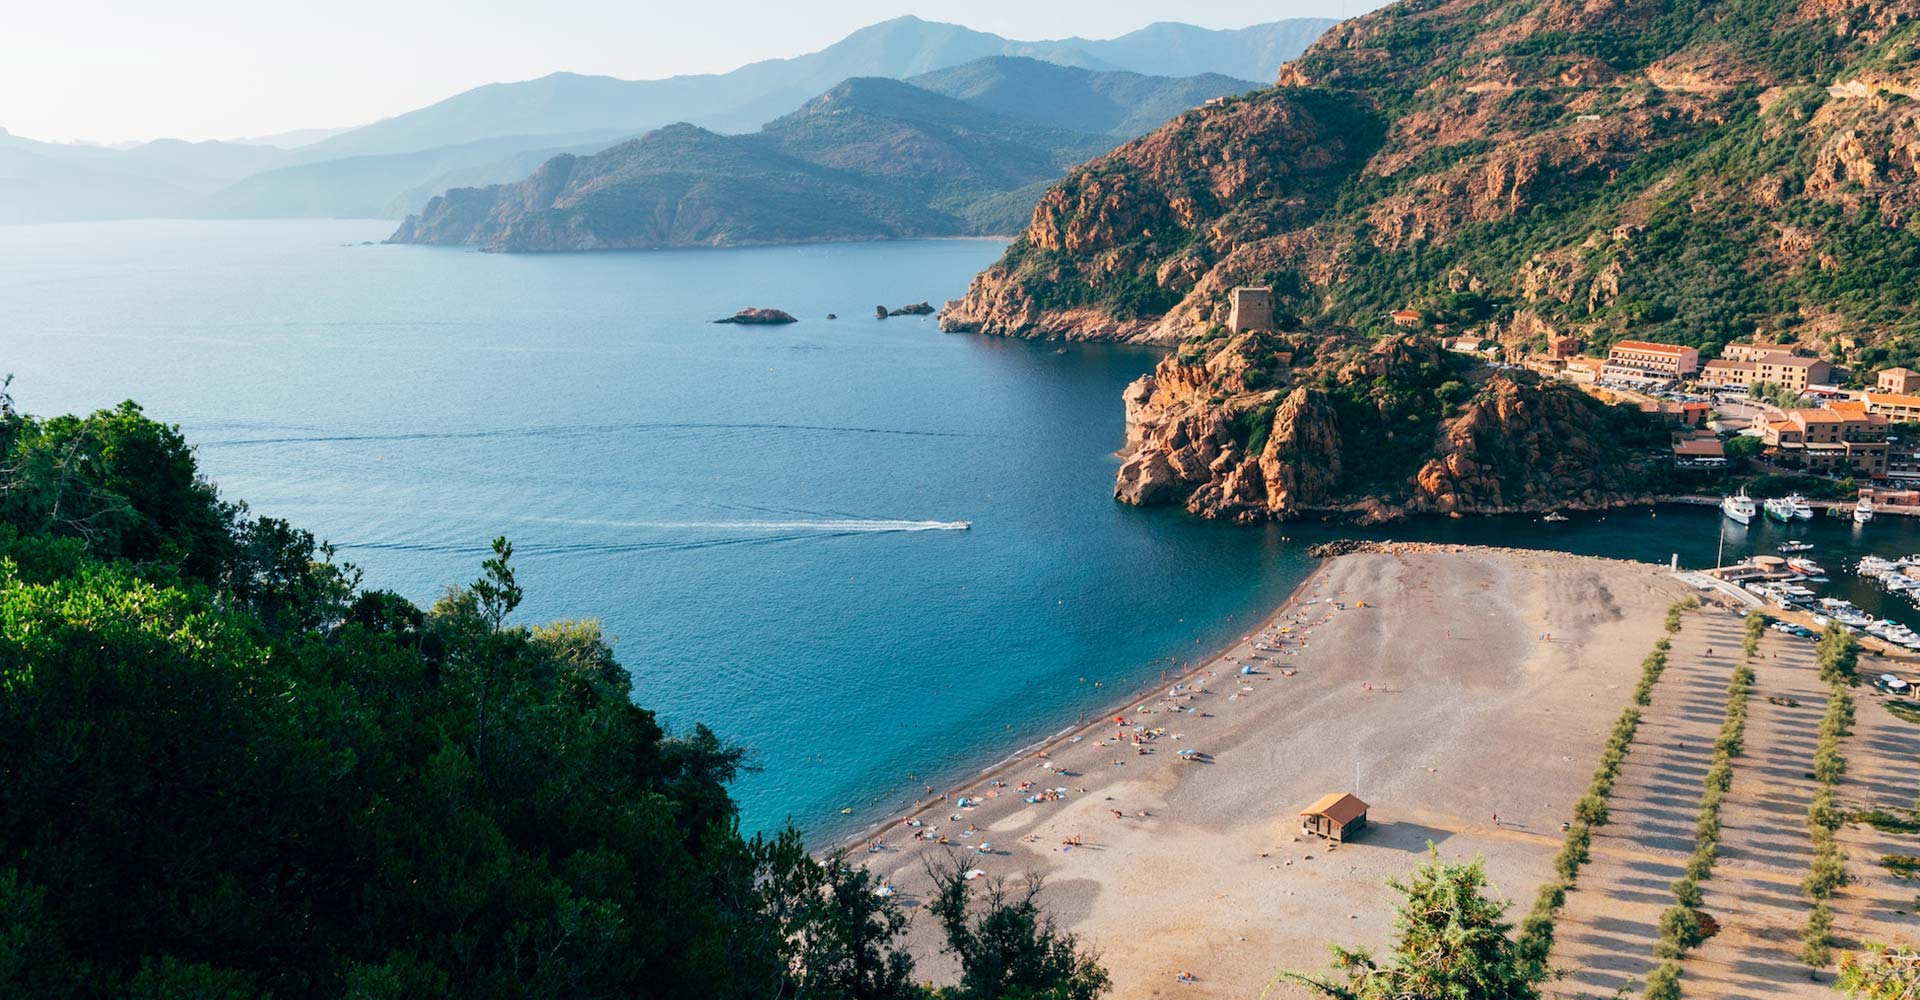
[{"x": 759, "y": 317}]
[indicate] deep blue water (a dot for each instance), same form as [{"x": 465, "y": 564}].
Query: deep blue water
[{"x": 750, "y": 510}]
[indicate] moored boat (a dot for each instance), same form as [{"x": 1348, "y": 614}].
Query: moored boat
[
  {"x": 1802, "y": 510},
  {"x": 1738, "y": 508},
  {"x": 1863, "y": 511},
  {"x": 1779, "y": 509}
]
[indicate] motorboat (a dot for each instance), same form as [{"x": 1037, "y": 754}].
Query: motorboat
[
  {"x": 1802, "y": 510},
  {"x": 1796, "y": 546},
  {"x": 1863, "y": 511},
  {"x": 1874, "y": 567},
  {"x": 1805, "y": 567},
  {"x": 1899, "y": 581},
  {"x": 1739, "y": 508},
  {"x": 1844, "y": 612},
  {"x": 1554, "y": 517},
  {"x": 1779, "y": 509}
]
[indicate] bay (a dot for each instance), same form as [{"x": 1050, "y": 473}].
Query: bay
[{"x": 766, "y": 517}]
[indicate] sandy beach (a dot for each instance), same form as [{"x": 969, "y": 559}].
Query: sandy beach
[{"x": 1447, "y": 687}]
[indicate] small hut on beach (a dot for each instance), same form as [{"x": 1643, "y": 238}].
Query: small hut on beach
[{"x": 1337, "y": 816}]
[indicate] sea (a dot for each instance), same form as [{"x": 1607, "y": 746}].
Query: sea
[{"x": 875, "y": 555}]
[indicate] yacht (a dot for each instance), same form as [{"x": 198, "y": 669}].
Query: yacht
[
  {"x": 1738, "y": 508},
  {"x": 1863, "y": 511},
  {"x": 1796, "y": 546},
  {"x": 1802, "y": 510},
  {"x": 1779, "y": 509},
  {"x": 1899, "y": 581}
]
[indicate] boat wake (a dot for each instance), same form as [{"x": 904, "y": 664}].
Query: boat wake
[{"x": 681, "y": 535}]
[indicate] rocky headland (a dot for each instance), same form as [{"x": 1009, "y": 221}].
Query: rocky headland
[{"x": 1264, "y": 426}]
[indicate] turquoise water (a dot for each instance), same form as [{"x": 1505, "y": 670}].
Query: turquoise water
[{"x": 757, "y": 513}]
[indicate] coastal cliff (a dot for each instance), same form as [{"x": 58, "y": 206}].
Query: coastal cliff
[
  {"x": 1264, "y": 426},
  {"x": 1516, "y": 169}
]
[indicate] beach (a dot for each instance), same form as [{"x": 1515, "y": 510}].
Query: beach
[{"x": 1463, "y": 693}]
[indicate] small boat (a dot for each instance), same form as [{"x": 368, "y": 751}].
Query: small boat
[
  {"x": 1863, "y": 511},
  {"x": 1805, "y": 567},
  {"x": 1779, "y": 509},
  {"x": 1554, "y": 517},
  {"x": 1899, "y": 581},
  {"x": 1796, "y": 546},
  {"x": 1738, "y": 508},
  {"x": 1802, "y": 510}
]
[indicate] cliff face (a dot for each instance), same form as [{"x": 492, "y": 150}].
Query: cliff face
[
  {"x": 1516, "y": 168},
  {"x": 1232, "y": 428}
]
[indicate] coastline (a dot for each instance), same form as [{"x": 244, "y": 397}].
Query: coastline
[
  {"x": 1443, "y": 682},
  {"x": 1013, "y": 759}
]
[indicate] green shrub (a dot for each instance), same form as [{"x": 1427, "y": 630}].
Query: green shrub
[
  {"x": 1663, "y": 983},
  {"x": 1816, "y": 938}
]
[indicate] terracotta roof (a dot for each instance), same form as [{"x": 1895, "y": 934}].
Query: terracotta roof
[
  {"x": 1817, "y": 416},
  {"x": 1648, "y": 347},
  {"x": 1724, "y": 363},
  {"x": 1896, "y": 371},
  {"x": 1341, "y": 807},
  {"x": 1700, "y": 448},
  {"x": 1890, "y": 399},
  {"x": 1793, "y": 362}
]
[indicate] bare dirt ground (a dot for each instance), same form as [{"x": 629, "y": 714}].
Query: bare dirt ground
[
  {"x": 1883, "y": 772},
  {"x": 1471, "y": 684},
  {"x": 1765, "y": 848}
]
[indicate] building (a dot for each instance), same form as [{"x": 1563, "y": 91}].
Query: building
[
  {"x": 1252, "y": 309},
  {"x": 1703, "y": 451},
  {"x": 1842, "y": 439},
  {"x": 1407, "y": 317},
  {"x": 1578, "y": 369},
  {"x": 1564, "y": 346},
  {"x": 1337, "y": 817},
  {"x": 1752, "y": 352},
  {"x": 1747, "y": 365},
  {"x": 1647, "y": 361},
  {"x": 1895, "y": 407},
  {"x": 1724, "y": 373},
  {"x": 1679, "y": 414},
  {"x": 1793, "y": 372},
  {"x": 1903, "y": 381}
]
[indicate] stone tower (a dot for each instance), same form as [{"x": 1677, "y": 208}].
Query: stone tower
[{"x": 1252, "y": 310}]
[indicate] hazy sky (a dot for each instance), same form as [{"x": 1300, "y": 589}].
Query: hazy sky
[{"x": 113, "y": 70}]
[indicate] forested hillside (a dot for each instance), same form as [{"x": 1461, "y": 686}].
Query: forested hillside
[
  {"x": 1666, "y": 169},
  {"x": 230, "y": 770}
]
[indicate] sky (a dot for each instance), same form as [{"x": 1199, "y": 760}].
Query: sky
[{"x": 125, "y": 70}]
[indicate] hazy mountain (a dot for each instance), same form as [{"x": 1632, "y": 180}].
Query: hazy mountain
[
  {"x": 746, "y": 97},
  {"x": 390, "y": 186},
  {"x": 501, "y": 132},
  {"x": 1109, "y": 102},
  {"x": 871, "y": 157}
]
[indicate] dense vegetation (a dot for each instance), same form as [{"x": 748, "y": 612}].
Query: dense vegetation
[{"x": 229, "y": 770}]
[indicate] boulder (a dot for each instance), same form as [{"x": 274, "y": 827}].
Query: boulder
[{"x": 759, "y": 317}]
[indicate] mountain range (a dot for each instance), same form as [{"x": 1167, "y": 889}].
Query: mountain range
[
  {"x": 500, "y": 132},
  {"x": 959, "y": 151}
]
